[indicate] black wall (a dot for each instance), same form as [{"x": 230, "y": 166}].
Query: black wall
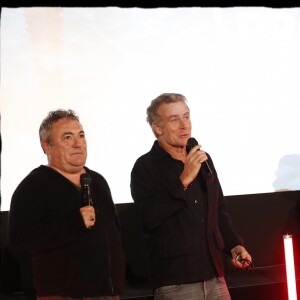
[{"x": 261, "y": 219}]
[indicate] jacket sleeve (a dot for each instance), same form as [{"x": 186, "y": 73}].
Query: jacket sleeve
[
  {"x": 157, "y": 195},
  {"x": 229, "y": 234}
]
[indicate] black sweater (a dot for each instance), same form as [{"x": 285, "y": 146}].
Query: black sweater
[{"x": 68, "y": 259}]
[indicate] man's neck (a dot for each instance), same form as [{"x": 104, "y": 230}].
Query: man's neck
[
  {"x": 72, "y": 176},
  {"x": 178, "y": 153}
]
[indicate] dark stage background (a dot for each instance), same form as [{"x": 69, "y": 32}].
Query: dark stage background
[{"x": 261, "y": 219}]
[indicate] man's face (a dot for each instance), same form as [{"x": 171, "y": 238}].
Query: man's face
[
  {"x": 174, "y": 125},
  {"x": 67, "y": 150}
]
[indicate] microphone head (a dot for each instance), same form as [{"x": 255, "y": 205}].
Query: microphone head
[
  {"x": 85, "y": 179},
  {"x": 192, "y": 142}
]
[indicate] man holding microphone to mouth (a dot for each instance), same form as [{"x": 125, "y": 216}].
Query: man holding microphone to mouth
[{"x": 182, "y": 208}]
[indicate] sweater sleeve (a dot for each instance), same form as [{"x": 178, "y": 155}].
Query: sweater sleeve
[{"x": 42, "y": 216}]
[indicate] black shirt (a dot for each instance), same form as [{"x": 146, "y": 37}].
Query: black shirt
[{"x": 186, "y": 230}]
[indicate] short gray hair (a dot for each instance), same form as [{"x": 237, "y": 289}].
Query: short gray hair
[
  {"x": 53, "y": 117},
  {"x": 157, "y": 102}
]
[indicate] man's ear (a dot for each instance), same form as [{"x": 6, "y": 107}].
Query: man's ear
[
  {"x": 45, "y": 147},
  {"x": 156, "y": 128}
]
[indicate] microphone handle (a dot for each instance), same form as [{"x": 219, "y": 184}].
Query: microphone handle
[
  {"x": 210, "y": 175},
  {"x": 192, "y": 142},
  {"x": 208, "y": 167},
  {"x": 86, "y": 196}
]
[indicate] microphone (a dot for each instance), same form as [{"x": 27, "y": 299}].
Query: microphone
[
  {"x": 192, "y": 142},
  {"x": 85, "y": 181}
]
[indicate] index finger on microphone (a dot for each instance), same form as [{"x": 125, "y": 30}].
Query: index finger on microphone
[{"x": 195, "y": 148}]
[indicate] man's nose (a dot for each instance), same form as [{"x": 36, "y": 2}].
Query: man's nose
[
  {"x": 77, "y": 142},
  {"x": 183, "y": 123}
]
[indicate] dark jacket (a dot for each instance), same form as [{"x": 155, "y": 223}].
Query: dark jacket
[
  {"x": 68, "y": 258},
  {"x": 169, "y": 220}
]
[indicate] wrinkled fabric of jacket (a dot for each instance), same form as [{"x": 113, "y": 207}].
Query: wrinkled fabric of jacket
[{"x": 161, "y": 203}]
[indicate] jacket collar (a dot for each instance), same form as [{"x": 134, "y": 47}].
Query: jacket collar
[{"x": 158, "y": 151}]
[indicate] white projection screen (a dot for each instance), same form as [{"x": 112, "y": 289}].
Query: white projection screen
[{"x": 239, "y": 68}]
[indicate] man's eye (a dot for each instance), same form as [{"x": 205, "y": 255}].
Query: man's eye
[{"x": 174, "y": 120}]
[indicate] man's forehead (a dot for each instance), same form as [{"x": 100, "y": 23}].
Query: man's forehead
[
  {"x": 66, "y": 125},
  {"x": 173, "y": 109}
]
